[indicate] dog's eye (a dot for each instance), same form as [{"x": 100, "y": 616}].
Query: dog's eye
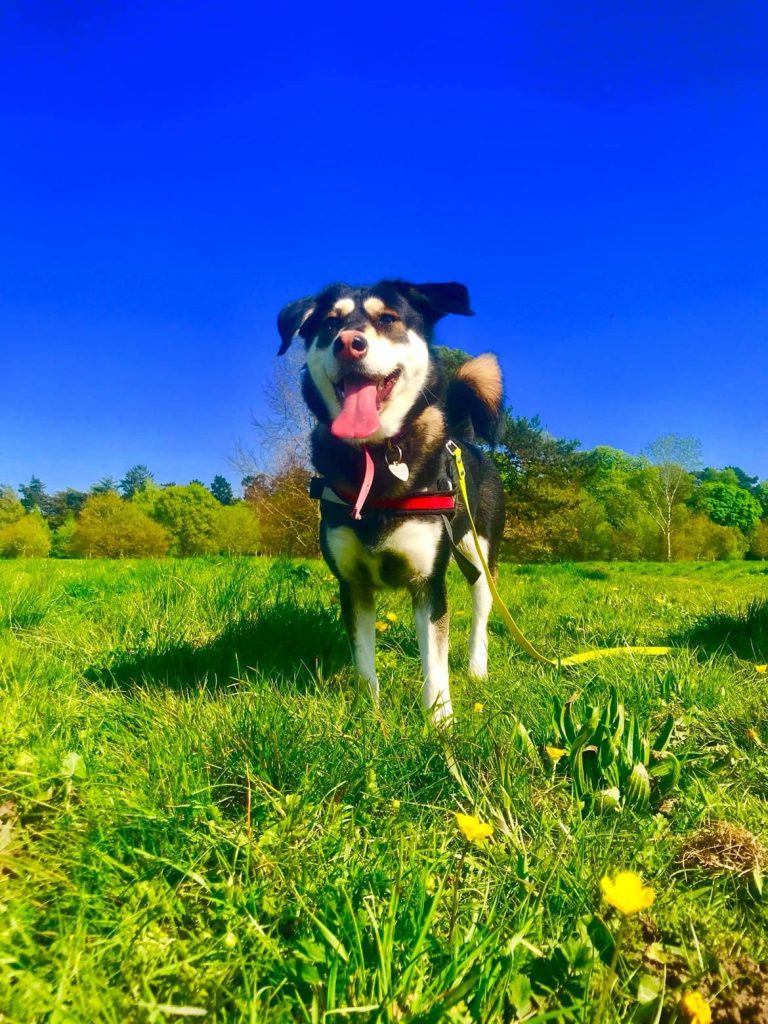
[{"x": 388, "y": 318}]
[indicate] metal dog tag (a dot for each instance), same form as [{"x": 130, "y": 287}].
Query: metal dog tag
[{"x": 397, "y": 467}]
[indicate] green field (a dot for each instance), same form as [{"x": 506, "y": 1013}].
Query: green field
[{"x": 199, "y": 818}]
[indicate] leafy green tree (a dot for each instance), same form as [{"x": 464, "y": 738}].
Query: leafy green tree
[
  {"x": 758, "y": 541},
  {"x": 221, "y": 489},
  {"x": 237, "y": 530},
  {"x": 34, "y": 496},
  {"x": 62, "y": 539},
  {"x": 64, "y": 504},
  {"x": 111, "y": 528},
  {"x": 542, "y": 477},
  {"x": 727, "y": 505},
  {"x": 135, "y": 479},
  {"x": 189, "y": 515},
  {"x": 11, "y": 508},
  {"x": 107, "y": 483},
  {"x": 674, "y": 459},
  {"x": 28, "y": 537}
]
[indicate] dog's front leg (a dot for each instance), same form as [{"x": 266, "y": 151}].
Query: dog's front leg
[
  {"x": 359, "y": 613},
  {"x": 430, "y": 611}
]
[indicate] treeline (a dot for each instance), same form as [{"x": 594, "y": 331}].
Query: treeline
[
  {"x": 562, "y": 503},
  {"x": 135, "y": 518}
]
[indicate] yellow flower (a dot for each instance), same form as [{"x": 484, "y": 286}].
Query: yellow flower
[
  {"x": 395, "y": 805},
  {"x": 660, "y": 599},
  {"x": 695, "y": 1008},
  {"x": 230, "y": 940},
  {"x": 555, "y": 753},
  {"x": 626, "y": 892},
  {"x": 382, "y": 627},
  {"x": 754, "y": 737},
  {"x": 473, "y": 829},
  {"x": 391, "y": 617},
  {"x": 477, "y": 707},
  {"x": 761, "y": 668}
]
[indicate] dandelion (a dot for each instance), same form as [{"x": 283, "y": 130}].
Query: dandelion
[
  {"x": 627, "y": 893},
  {"x": 761, "y": 668},
  {"x": 382, "y": 627},
  {"x": 391, "y": 617},
  {"x": 477, "y": 707},
  {"x": 230, "y": 940},
  {"x": 754, "y": 737},
  {"x": 695, "y": 1008},
  {"x": 555, "y": 753},
  {"x": 473, "y": 829},
  {"x": 395, "y": 805},
  {"x": 660, "y": 599}
]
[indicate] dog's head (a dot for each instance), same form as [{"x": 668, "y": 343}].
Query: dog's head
[{"x": 368, "y": 355}]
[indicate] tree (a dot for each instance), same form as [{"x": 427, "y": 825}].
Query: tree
[
  {"x": 542, "y": 477},
  {"x": 221, "y": 489},
  {"x": 674, "y": 458},
  {"x": 111, "y": 528},
  {"x": 62, "y": 539},
  {"x": 33, "y": 496},
  {"x": 237, "y": 530},
  {"x": 64, "y": 504},
  {"x": 28, "y": 537},
  {"x": 136, "y": 479},
  {"x": 107, "y": 483},
  {"x": 288, "y": 518},
  {"x": 758, "y": 541},
  {"x": 727, "y": 505},
  {"x": 189, "y": 515},
  {"x": 11, "y": 508}
]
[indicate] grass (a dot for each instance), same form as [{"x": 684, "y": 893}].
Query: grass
[{"x": 200, "y": 818}]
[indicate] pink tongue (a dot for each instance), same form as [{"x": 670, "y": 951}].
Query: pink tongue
[{"x": 359, "y": 416}]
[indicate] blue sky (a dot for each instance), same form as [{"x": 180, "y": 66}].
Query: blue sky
[{"x": 172, "y": 173}]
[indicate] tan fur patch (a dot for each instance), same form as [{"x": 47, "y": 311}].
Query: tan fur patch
[
  {"x": 344, "y": 307},
  {"x": 373, "y": 307},
  {"x": 431, "y": 427},
  {"x": 483, "y": 374}
]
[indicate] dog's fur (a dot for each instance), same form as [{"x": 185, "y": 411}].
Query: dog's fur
[{"x": 417, "y": 413}]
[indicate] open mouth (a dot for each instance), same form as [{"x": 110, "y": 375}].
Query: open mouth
[
  {"x": 355, "y": 381},
  {"x": 361, "y": 398}
]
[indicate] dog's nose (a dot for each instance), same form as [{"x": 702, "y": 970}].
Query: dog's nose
[{"x": 350, "y": 345}]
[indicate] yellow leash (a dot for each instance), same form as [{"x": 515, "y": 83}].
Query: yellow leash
[{"x": 512, "y": 626}]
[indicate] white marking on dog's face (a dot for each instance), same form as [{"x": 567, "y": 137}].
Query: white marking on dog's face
[
  {"x": 409, "y": 355},
  {"x": 373, "y": 306}
]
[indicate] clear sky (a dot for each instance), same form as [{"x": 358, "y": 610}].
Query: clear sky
[{"x": 171, "y": 173}]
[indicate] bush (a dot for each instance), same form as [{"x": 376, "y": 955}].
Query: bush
[
  {"x": 237, "y": 530},
  {"x": 109, "y": 527},
  {"x": 758, "y": 540},
  {"x": 11, "y": 509},
  {"x": 27, "y": 537},
  {"x": 190, "y": 516},
  {"x": 288, "y": 518}
]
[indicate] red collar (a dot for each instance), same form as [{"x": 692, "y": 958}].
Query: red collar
[{"x": 411, "y": 503}]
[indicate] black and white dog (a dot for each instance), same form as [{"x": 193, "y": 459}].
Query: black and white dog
[{"x": 386, "y": 417}]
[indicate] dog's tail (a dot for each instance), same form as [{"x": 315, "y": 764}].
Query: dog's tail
[{"x": 473, "y": 404}]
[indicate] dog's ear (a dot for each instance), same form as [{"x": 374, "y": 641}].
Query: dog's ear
[
  {"x": 437, "y": 300},
  {"x": 291, "y": 318}
]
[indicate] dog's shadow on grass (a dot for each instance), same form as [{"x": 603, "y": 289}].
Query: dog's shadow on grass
[
  {"x": 288, "y": 644},
  {"x": 743, "y": 632}
]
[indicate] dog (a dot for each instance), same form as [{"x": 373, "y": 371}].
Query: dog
[{"x": 386, "y": 419}]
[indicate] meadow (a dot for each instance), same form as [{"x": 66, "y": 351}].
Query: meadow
[{"x": 201, "y": 818}]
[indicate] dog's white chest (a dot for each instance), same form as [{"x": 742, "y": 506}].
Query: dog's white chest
[{"x": 414, "y": 542}]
